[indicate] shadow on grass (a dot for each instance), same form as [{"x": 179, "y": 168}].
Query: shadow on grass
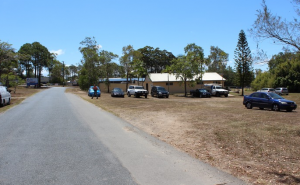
[{"x": 286, "y": 178}]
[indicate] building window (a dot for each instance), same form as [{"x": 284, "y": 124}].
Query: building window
[{"x": 169, "y": 83}]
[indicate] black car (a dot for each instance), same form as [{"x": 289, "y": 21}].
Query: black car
[
  {"x": 159, "y": 91},
  {"x": 201, "y": 93},
  {"x": 117, "y": 92}
]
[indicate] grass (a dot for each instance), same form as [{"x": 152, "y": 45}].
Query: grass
[
  {"x": 259, "y": 146},
  {"x": 21, "y": 94}
]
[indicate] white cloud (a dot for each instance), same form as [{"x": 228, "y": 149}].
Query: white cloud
[{"x": 57, "y": 52}]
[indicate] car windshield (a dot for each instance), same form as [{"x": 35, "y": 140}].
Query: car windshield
[
  {"x": 275, "y": 96},
  {"x": 161, "y": 88},
  {"x": 139, "y": 87},
  {"x": 218, "y": 87},
  {"x": 202, "y": 90},
  {"x": 118, "y": 89}
]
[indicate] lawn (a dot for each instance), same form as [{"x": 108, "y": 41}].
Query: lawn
[{"x": 258, "y": 146}]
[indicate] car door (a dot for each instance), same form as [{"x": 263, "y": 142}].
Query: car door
[
  {"x": 265, "y": 101},
  {"x": 255, "y": 99}
]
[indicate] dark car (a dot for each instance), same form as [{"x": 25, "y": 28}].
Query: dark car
[
  {"x": 91, "y": 91},
  {"x": 268, "y": 100},
  {"x": 201, "y": 93},
  {"x": 117, "y": 92},
  {"x": 159, "y": 91}
]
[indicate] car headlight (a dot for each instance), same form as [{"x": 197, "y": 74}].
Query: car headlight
[{"x": 159, "y": 92}]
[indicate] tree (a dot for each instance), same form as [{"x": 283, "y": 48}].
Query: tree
[
  {"x": 126, "y": 60},
  {"x": 8, "y": 62},
  {"x": 26, "y": 51},
  {"x": 269, "y": 26},
  {"x": 90, "y": 63},
  {"x": 218, "y": 59},
  {"x": 189, "y": 66},
  {"x": 243, "y": 62},
  {"x": 155, "y": 60},
  {"x": 105, "y": 58}
]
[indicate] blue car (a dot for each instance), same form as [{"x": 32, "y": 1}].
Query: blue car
[
  {"x": 268, "y": 100},
  {"x": 91, "y": 91}
]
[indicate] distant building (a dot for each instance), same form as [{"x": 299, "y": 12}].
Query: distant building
[{"x": 175, "y": 85}]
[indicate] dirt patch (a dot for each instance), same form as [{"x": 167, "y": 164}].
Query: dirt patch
[{"x": 258, "y": 146}]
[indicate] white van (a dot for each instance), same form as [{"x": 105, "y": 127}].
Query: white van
[{"x": 4, "y": 96}]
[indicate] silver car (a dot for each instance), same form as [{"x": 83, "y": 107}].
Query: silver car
[
  {"x": 282, "y": 91},
  {"x": 4, "y": 96}
]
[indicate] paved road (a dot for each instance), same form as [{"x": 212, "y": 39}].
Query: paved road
[{"x": 57, "y": 138}]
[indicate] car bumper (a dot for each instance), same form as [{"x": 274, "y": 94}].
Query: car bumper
[{"x": 293, "y": 107}]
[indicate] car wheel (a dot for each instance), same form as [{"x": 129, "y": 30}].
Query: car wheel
[
  {"x": 145, "y": 96},
  {"x": 8, "y": 103},
  {"x": 226, "y": 95},
  {"x": 217, "y": 94},
  {"x": 152, "y": 95},
  {"x": 167, "y": 96},
  {"x": 1, "y": 103},
  {"x": 128, "y": 94},
  {"x": 275, "y": 107},
  {"x": 249, "y": 105}
]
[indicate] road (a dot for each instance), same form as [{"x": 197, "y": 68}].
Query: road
[{"x": 55, "y": 137}]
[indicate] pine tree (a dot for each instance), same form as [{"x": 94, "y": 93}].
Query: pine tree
[{"x": 243, "y": 62}]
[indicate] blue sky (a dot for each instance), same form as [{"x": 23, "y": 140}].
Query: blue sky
[{"x": 60, "y": 25}]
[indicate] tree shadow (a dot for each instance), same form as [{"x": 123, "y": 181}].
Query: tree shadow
[{"x": 286, "y": 178}]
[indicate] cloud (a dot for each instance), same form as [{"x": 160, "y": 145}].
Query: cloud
[{"x": 58, "y": 52}]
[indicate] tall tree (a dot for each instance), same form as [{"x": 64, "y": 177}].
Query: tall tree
[
  {"x": 218, "y": 59},
  {"x": 243, "y": 62},
  {"x": 8, "y": 62},
  {"x": 126, "y": 60},
  {"x": 90, "y": 63},
  {"x": 106, "y": 58},
  {"x": 269, "y": 26},
  {"x": 25, "y": 60}
]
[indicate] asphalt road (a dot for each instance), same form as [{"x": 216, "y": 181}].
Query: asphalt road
[{"x": 55, "y": 137}]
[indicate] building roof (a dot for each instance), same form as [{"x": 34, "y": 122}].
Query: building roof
[
  {"x": 122, "y": 79},
  {"x": 165, "y": 77}
]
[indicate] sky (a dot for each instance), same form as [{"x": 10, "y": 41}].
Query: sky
[{"x": 60, "y": 25}]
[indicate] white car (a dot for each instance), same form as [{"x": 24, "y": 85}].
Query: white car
[
  {"x": 137, "y": 91},
  {"x": 267, "y": 90},
  {"x": 4, "y": 96}
]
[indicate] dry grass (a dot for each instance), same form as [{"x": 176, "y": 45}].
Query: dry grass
[
  {"x": 259, "y": 146},
  {"x": 21, "y": 94}
]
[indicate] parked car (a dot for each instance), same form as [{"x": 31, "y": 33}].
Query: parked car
[
  {"x": 216, "y": 90},
  {"x": 268, "y": 100},
  {"x": 159, "y": 91},
  {"x": 137, "y": 91},
  {"x": 5, "y": 96},
  {"x": 117, "y": 92},
  {"x": 91, "y": 91},
  {"x": 282, "y": 90},
  {"x": 200, "y": 93},
  {"x": 267, "y": 90}
]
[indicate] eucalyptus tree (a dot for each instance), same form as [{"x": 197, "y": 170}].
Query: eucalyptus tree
[
  {"x": 126, "y": 60},
  {"x": 276, "y": 28},
  {"x": 243, "y": 62},
  {"x": 189, "y": 66},
  {"x": 218, "y": 60},
  {"x": 90, "y": 72},
  {"x": 106, "y": 58}
]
